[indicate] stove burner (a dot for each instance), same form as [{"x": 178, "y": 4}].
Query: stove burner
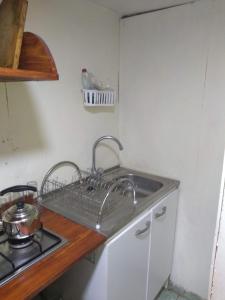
[
  {"x": 16, "y": 256},
  {"x": 19, "y": 244}
]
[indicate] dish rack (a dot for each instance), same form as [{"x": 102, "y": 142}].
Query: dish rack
[
  {"x": 86, "y": 196},
  {"x": 99, "y": 98}
]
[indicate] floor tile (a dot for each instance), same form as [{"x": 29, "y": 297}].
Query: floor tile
[
  {"x": 177, "y": 289},
  {"x": 190, "y": 296},
  {"x": 167, "y": 295}
]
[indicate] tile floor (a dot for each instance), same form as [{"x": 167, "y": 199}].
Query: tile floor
[{"x": 171, "y": 295}]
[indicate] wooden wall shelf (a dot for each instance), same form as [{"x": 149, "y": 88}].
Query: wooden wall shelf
[{"x": 36, "y": 62}]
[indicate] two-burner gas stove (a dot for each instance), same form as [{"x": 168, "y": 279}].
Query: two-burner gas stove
[{"x": 15, "y": 258}]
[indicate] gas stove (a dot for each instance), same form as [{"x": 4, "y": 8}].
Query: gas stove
[{"x": 14, "y": 259}]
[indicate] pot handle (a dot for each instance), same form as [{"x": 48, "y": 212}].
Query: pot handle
[{"x": 18, "y": 188}]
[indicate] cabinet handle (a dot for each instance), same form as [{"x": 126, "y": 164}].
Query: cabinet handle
[
  {"x": 142, "y": 231},
  {"x": 162, "y": 213}
]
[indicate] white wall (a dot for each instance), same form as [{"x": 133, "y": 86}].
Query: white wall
[
  {"x": 46, "y": 121},
  {"x": 218, "y": 50},
  {"x": 172, "y": 119}
]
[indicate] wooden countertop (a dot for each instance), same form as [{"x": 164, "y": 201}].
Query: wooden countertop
[{"x": 81, "y": 241}]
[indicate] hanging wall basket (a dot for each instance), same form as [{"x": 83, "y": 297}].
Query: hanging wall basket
[{"x": 99, "y": 98}]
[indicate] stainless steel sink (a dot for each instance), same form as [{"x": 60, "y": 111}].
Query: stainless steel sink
[
  {"x": 91, "y": 201},
  {"x": 143, "y": 186}
]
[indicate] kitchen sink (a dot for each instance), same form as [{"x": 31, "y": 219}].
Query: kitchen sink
[
  {"x": 105, "y": 205},
  {"x": 143, "y": 186}
]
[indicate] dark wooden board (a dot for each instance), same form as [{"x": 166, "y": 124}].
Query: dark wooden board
[
  {"x": 36, "y": 62},
  {"x": 81, "y": 241},
  {"x": 13, "y": 75},
  {"x": 35, "y": 55},
  {"x": 12, "y": 20}
]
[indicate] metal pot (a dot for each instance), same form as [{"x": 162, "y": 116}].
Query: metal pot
[{"x": 22, "y": 220}]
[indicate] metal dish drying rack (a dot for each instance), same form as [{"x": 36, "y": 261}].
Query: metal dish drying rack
[{"x": 86, "y": 197}]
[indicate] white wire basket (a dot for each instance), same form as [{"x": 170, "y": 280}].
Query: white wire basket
[{"x": 99, "y": 98}]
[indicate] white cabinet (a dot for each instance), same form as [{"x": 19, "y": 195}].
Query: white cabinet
[
  {"x": 162, "y": 243},
  {"x": 134, "y": 264},
  {"x": 127, "y": 258}
]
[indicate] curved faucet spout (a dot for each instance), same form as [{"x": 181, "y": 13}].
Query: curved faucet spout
[{"x": 106, "y": 137}]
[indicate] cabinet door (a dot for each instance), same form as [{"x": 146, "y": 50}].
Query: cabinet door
[
  {"x": 162, "y": 243},
  {"x": 128, "y": 259}
]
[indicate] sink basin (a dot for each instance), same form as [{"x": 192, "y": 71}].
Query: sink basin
[{"x": 143, "y": 186}]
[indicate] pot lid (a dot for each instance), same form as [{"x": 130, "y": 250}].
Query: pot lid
[{"x": 20, "y": 212}]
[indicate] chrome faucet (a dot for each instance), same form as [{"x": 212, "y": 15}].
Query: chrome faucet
[{"x": 106, "y": 137}]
